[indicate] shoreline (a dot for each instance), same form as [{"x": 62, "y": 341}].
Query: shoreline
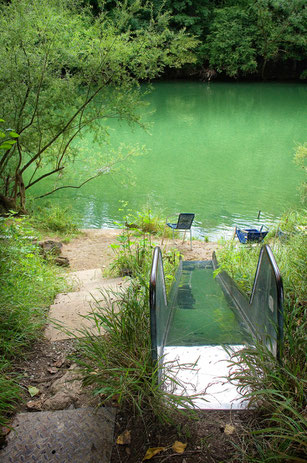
[{"x": 92, "y": 249}]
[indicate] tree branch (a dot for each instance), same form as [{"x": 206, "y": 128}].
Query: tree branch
[
  {"x": 69, "y": 186},
  {"x": 63, "y": 129},
  {"x": 101, "y": 171},
  {"x": 58, "y": 169}
]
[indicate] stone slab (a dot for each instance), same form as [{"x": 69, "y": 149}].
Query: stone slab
[
  {"x": 68, "y": 436},
  {"x": 69, "y": 310}
]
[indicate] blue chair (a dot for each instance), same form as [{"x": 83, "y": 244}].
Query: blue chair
[{"x": 183, "y": 224}]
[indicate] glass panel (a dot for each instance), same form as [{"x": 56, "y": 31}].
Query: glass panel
[
  {"x": 160, "y": 311},
  {"x": 202, "y": 315},
  {"x": 265, "y": 309},
  {"x": 263, "y": 313}
]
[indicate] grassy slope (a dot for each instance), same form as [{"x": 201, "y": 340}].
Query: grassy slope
[{"x": 279, "y": 389}]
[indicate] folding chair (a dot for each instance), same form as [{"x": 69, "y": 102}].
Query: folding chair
[{"x": 183, "y": 224}]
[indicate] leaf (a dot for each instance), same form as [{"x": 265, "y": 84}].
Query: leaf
[
  {"x": 13, "y": 134},
  {"x": 229, "y": 429},
  {"x": 33, "y": 391},
  {"x": 152, "y": 451},
  {"x": 124, "y": 438},
  {"x": 179, "y": 447}
]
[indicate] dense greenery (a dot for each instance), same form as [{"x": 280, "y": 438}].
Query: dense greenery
[
  {"x": 28, "y": 285},
  {"x": 279, "y": 389},
  {"x": 261, "y": 38},
  {"x": 67, "y": 71}
]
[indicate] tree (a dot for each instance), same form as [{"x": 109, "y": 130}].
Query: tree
[
  {"x": 230, "y": 44},
  {"x": 281, "y": 31},
  {"x": 65, "y": 72}
]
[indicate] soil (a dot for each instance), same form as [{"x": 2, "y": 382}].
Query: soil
[
  {"x": 92, "y": 249},
  {"x": 210, "y": 438}
]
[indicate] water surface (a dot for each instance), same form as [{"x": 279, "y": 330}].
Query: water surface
[{"x": 220, "y": 150}]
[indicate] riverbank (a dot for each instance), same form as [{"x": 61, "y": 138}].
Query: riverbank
[
  {"x": 47, "y": 373},
  {"x": 92, "y": 249}
]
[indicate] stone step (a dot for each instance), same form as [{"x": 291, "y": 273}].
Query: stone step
[
  {"x": 67, "y": 319},
  {"x": 104, "y": 283},
  {"x": 82, "y": 278},
  {"x": 69, "y": 309},
  {"x": 82, "y": 435}
]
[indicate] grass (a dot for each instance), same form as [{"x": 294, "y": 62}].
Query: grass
[
  {"x": 133, "y": 256},
  {"x": 28, "y": 285},
  {"x": 117, "y": 362},
  {"x": 146, "y": 221},
  {"x": 277, "y": 389},
  {"x": 54, "y": 220}
]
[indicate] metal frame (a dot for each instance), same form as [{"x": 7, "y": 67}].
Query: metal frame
[{"x": 174, "y": 226}]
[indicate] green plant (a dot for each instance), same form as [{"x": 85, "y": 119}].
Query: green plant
[
  {"x": 117, "y": 362},
  {"x": 67, "y": 93},
  {"x": 278, "y": 389},
  {"x": 55, "y": 219},
  {"x": 133, "y": 257},
  {"x": 28, "y": 285},
  {"x": 9, "y": 394},
  {"x": 145, "y": 220}
]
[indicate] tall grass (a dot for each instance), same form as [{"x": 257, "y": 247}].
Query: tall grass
[
  {"x": 53, "y": 219},
  {"x": 277, "y": 389},
  {"x": 117, "y": 362},
  {"x": 133, "y": 256},
  {"x": 28, "y": 285},
  {"x": 146, "y": 220}
]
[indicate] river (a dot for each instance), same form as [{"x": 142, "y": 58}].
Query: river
[{"x": 221, "y": 150}]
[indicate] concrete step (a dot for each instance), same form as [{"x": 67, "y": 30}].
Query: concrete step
[
  {"x": 67, "y": 318},
  {"x": 69, "y": 309},
  {"x": 84, "y": 278},
  {"x": 83, "y": 435}
]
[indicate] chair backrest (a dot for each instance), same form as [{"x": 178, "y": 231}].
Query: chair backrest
[{"x": 185, "y": 221}]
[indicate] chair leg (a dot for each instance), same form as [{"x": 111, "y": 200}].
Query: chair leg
[
  {"x": 163, "y": 236},
  {"x": 191, "y": 238},
  {"x": 183, "y": 237}
]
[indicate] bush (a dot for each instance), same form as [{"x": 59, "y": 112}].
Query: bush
[
  {"x": 28, "y": 285},
  {"x": 54, "y": 219},
  {"x": 133, "y": 256},
  {"x": 279, "y": 389}
]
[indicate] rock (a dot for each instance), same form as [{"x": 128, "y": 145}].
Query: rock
[
  {"x": 36, "y": 404},
  {"x": 66, "y": 390},
  {"x": 50, "y": 247},
  {"x": 62, "y": 261},
  {"x": 52, "y": 370},
  {"x": 59, "y": 401},
  {"x": 68, "y": 383}
]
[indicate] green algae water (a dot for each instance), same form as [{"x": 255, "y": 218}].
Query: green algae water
[{"x": 220, "y": 150}]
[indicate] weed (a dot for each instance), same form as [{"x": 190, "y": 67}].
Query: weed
[
  {"x": 28, "y": 285},
  {"x": 117, "y": 362},
  {"x": 133, "y": 256},
  {"x": 279, "y": 389},
  {"x": 146, "y": 221},
  {"x": 54, "y": 219}
]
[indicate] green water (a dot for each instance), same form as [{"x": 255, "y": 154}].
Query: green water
[
  {"x": 202, "y": 315},
  {"x": 221, "y": 150}
]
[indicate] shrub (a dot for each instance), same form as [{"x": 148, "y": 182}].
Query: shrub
[
  {"x": 278, "y": 389},
  {"x": 28, "y": 285}
]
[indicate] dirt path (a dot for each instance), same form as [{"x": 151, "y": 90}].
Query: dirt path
[{"x": 92, "y": 249}]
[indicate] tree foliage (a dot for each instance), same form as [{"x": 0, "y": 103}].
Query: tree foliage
[{"x": 66, "y": 71}]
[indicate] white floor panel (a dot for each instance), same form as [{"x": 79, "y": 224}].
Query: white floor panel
[{"x": 207, "y": 378}]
